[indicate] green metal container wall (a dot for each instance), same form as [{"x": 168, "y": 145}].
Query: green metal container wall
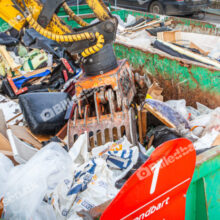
[{"x": 203, "y": 196}]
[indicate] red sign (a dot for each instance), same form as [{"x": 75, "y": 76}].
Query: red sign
[{"x": 157, "y": 190}]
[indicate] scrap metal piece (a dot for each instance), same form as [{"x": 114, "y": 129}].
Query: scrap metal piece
[
  {"x": 118, "y": 79},
  {"x": 123, "y": 122}
]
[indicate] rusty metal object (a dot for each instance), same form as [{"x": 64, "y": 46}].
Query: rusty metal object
[
  {"x": 119, "y": 121},
  {"x": 104, "y": 107}
]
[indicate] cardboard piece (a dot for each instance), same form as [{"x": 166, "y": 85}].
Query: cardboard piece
[
  {"x": 169, "y": 36},
  {"x": 155, "y": 92},
  {"x": 4, "y": 144}
]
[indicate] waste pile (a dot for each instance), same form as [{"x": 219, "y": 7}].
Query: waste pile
[
  {"x": 159, "y": 35},
  {"x": 45, "y": 173}
]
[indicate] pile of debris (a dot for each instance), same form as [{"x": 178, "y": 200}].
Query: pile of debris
[
  {"x": 66, "y": 169},
  {"x": 159, "y": 35}
]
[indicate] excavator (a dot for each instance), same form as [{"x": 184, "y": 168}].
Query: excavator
[{"x": 107, "y": 88}]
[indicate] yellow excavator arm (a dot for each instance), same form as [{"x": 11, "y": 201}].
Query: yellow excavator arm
[{"x": 42, "y": 17}]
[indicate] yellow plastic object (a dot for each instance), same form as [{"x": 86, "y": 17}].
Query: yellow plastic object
[
  {"x": 148, "y": 96},
  {"x": 34, "y": 59}
]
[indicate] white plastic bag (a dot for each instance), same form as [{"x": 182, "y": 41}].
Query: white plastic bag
[
  {"x": 6, "y": 166},
  {"x": 193, "y": 113},
  {"x": 215, "y": 53},
  {"x": 79, "y": 150},
  {"x": 130, "y": 20},
  {"x": 206, "y": 141},
  {"x": 27, "y": 186},
  {"x": 120, "y": 156},
  {"x": 91, "y": 185},
  {"x": 203, "y": 109},
  {"x": 214, "y": 122},
  {"x": 44, "y": 212}
]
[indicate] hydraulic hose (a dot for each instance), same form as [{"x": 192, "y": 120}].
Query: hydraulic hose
[
  {"x": 96, "y": 48},
  {"x": 73, "y": 16},
  {"x": 69, "y": 37}
]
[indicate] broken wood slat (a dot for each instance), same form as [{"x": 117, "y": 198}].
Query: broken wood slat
[
  {"x": 144, "y": 122},
  {"x": 39, "y": 137},
  {"x": 158, "y": 115},
  {"x": 63, "y": 132},
  {"x": 193, "y": 45},
  {"x": 14, "y": 66},
  {"x": 140, "y": 125},
  {"x": 23, "y": 134},
  {"x": 149, "y": 26},
  {"x": 32, "y": 73}
]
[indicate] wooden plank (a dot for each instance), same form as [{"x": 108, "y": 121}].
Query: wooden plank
[
  {"x": 193, "y": 45},
  {"x": 140, "y": 125},
  {"x": 144, "y": 122}
]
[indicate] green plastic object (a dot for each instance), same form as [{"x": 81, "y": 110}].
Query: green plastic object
[
  {"x": 4, "y": 26},
  {"x": 22, "y": 51},
  {"x": 150, "y": 151}
]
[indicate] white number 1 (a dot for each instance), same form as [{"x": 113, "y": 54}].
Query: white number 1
[{"x": 155, "y": 169}]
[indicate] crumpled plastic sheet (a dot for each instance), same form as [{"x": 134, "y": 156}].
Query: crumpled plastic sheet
[
  {"x": 206, "y": 127},
  {"x": 206, "y": 141},
  {"x": 179, "y": 106},
  {"x": 28, "y": 184},
  {"x": 5, "y": 167}
]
